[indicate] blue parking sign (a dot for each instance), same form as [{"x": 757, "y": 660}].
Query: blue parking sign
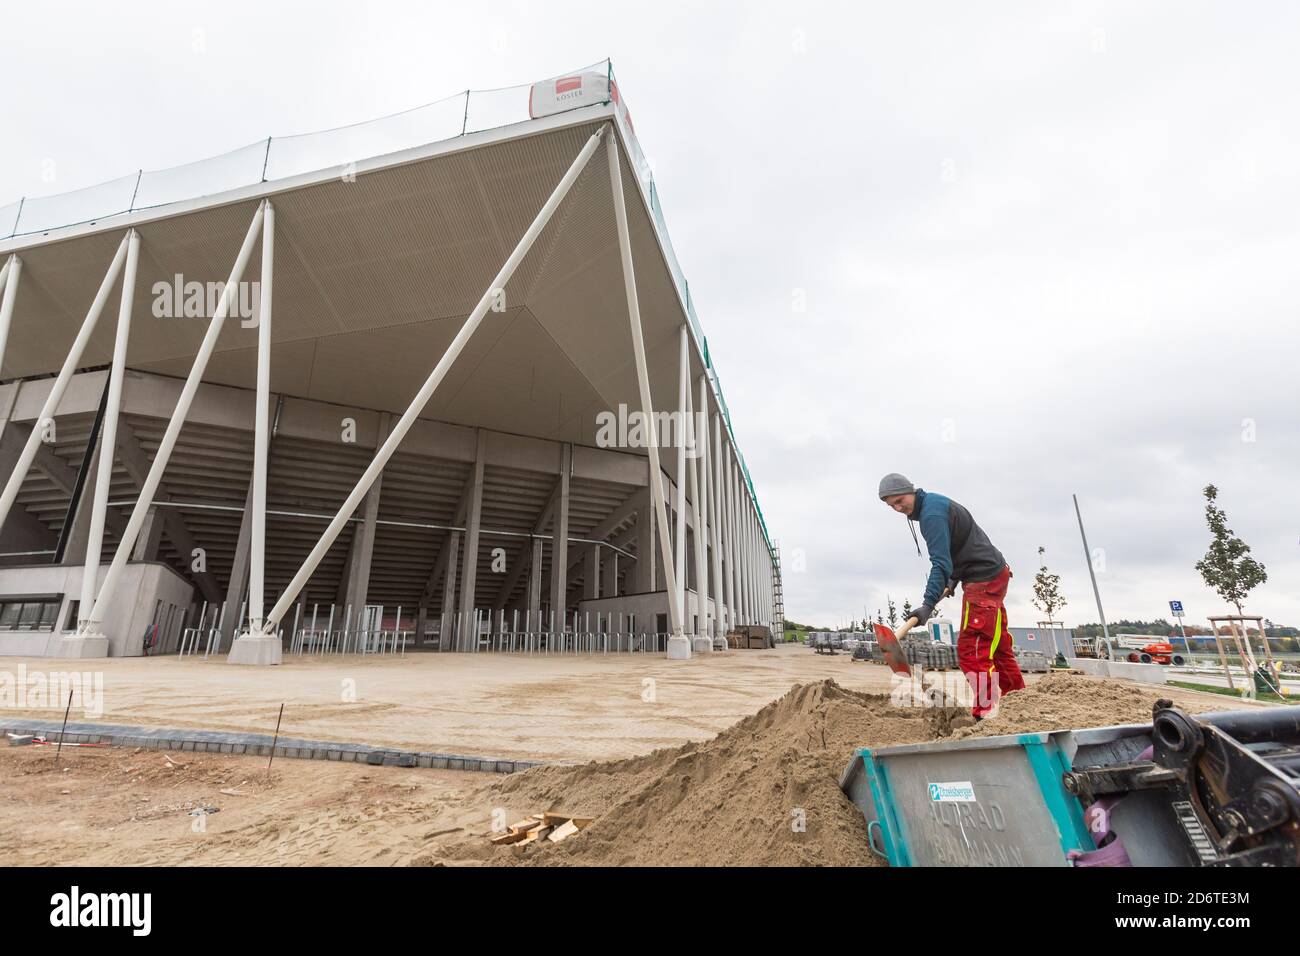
[{"x": 1176, "y": 607}]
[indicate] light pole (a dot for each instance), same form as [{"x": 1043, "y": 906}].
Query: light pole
[{"x": 1095, "y": 592}]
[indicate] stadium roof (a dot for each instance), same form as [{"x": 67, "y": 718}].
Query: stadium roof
[{"x": 379, "y": 260}]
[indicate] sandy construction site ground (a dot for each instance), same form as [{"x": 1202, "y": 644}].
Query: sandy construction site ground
[
  {"x": 707, "y": 769},
  {"x": 561, "y": 708}
]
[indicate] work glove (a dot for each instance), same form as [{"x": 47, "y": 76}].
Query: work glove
[{"x": 922, "y": 614}]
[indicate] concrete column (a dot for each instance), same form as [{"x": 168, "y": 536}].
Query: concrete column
[
  {"x": 12, "y": 270},
  {"x": 609, "y": 574},
  {"x": 353, "y": 589},
  {"x": 746, "y": 550},
  {"x": 535, "y": 586},
  {"x": 474, "y": 516},
  {"x": 348, "y": 572},
  {"x": 237, "y": 587},
  {"x": 560, "y": 542},
  {"x": 660, "y": 577},
  {"x": 756, "y": 599},
  {"x": 146, "y": 549},
  {"x": 742, "y": 552},
  {"x": 363, "y": 553},
  {"x": 74, "y": 546},
  {"x": 699, "y": 554},
  {"x": 751, "y": 524},
  {"x": 751, "y": 556},
  {"x": 447, "y": 626},
  {"x": 150, "y": 538},
  {"x": 591, "y": 575},
  {"x": 646, "y": 551},
  {"x": 679, "y": 499},
  {"x": 715, "y": 509},
  {"x": 724, "y": 527},
  {"x": 733, "y": 550}
]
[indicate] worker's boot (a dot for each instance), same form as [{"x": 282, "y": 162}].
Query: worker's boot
[{"x": 991, "y": 712}]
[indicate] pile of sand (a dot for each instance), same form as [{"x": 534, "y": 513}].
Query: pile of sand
[
  {"x": 1062, "y": 700},
  {"x": 765, "y": 792}
]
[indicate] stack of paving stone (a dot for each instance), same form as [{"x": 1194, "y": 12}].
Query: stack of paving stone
[
  {"x": 1032, "y": 661},
  {"x": 930, "y": 655}
]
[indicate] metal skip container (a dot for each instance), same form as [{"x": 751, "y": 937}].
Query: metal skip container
[
  {"x": 989, "y": 801},
  {"x": 1218, "y": 789}
]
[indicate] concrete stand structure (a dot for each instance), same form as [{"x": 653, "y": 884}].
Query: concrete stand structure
[{"x": 484, "y": 417}]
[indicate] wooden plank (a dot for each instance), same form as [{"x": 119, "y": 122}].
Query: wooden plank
[
  {"x": 534, "y": 835},
  {"x": 563, "y": 832},
  {"x": 555, "y": 819}
]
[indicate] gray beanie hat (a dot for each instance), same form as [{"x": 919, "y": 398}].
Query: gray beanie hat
[{"x": 894, "y": 484}]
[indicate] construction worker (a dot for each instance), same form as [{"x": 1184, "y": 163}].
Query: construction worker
[{"x": 961, "y": 551}]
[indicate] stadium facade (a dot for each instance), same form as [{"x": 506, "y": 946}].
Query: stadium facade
[{"x": 450, "y": 396}]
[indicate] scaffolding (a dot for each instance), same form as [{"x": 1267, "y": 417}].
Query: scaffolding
[{"x": 778, "y": 593}]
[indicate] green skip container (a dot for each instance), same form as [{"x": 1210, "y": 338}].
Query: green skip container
[{"x": 985, "y": 801}]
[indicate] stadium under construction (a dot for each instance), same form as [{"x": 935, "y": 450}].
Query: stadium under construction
[{"x": 452, "y": 396}]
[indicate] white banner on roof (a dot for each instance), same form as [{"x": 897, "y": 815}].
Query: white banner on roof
[{"x": 563, "y": 93}]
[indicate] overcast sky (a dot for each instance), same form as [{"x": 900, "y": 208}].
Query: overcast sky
[{"x": 1013, "y": 250}]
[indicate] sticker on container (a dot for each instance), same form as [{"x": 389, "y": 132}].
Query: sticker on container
[{"x": 958, "y": 791}]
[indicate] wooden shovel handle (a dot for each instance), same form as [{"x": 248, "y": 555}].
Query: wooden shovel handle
[{"x": 910, "y": 623}]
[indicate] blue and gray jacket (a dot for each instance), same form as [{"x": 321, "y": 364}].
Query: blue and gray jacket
[{"x": 959, "y": 548}]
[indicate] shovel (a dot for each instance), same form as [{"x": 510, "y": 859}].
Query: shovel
[
  {"x": 893, "y": 652},
  {"x": 890, "y": 647}
]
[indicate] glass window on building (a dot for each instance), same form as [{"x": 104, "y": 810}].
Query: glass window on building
[
  {"x": 39, "y": 614},
  {"x": 49, "y": 615},
  {"x": 30, "y": 616}
]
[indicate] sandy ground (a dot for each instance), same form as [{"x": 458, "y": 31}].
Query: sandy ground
[
  {"x": 561, "y": 708},
  {"x": 700, "y": 797},
  {"x": 119, "y": 807}
]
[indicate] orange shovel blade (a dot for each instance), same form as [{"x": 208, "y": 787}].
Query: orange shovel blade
[{"x": 892, "y": 650}]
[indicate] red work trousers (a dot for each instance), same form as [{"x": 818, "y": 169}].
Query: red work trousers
[{"x": 984, "y": 647}]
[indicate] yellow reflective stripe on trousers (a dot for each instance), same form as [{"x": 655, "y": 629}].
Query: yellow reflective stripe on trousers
[
  {"x": 966, "y": 617},
  {"x": 997, "y": 635}
]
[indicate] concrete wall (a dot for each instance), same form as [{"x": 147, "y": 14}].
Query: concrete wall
[
  {"x": 1143, "y": 673},
  {"x": 128, "y": 613}
]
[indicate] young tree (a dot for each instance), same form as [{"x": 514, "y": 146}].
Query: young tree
[
  {"x": 907, "y": 609},
  {"x": 893, "y": 612},
  {"x": 1227, "y": 567},
  {"x": 1047, "y": 589}
]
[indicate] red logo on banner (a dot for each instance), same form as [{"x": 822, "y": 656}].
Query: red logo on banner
[{"x": 567, "y": 84}]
